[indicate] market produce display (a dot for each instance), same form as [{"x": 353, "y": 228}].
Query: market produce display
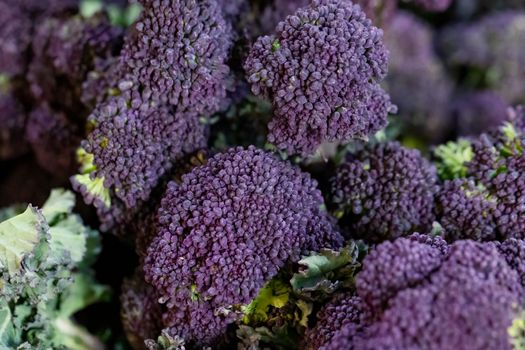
[{"x": 262, "y": 174}]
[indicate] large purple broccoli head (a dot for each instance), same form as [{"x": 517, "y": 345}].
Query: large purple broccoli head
[
  {"x": 488, "y": 46},
  {"x": 321, "y": 70},
  {"x": 178, "y": 52},
  {"x": 416, "y": 80},
  {"x": 385, "y": 191},
  {"x": 420, "y": 293},
  {"x": 225, "y": 231}
]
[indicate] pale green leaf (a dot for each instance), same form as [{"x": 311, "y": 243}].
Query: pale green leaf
[
  {"x": 18, "y": 237},
  {"x": 59, "y": 202}
]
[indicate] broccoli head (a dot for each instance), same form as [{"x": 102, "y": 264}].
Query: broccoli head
[
  {"x": 385, "y": 191},
  {"x": 431, "y": 295},
  {"x": 224, "y": 232},
  {"x": 321, "y": 70}
]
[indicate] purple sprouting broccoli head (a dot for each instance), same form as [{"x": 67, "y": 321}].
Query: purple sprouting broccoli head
[
  {"x": 466, "y": 210},
  {"x": 133, "y": 144},
  {"x": 178, "y": 52},
  {"x": 478, "y": 112},
  {"x": 321, "y": 70},
  {"x": 171, "y": 71},
  {"x": 483, "y": 198},
  {"x": 225, "y": 231},
  {"x": 385, "y": 191},
  {"x": 417, "y": 81},
  {"x": 379, "y": 11},
  {"x": 489, "y": 46},
  {"x": 419, "y": 292},
  {"x": 276, "y": 11}
]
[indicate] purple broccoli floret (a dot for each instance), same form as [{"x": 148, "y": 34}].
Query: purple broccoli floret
[
  {"x": 54, "y": 139},
  {"x": 459, "y": 296},
  {"x": 416, "y": 80},
  {"x": 64, "y": 52},
  {"x": 478, "y": 112},
  {"x": 225, "y": 231},
  {"x": 466, "y": 210},
  {"x": 385, "y": 191},
  {"x": 321, "y": 70},
  {"x": 343, "y": 312},
  {"x": 487, "y": 201},
  {"x": 411, "y": 259},
  {"x": 379, "y": 11},
  {"x": 171, "y": 72},
  {"x": 178, "y": 53},
  {"x": 134, "y": 144},
  {"x": 467, "y": 303}
]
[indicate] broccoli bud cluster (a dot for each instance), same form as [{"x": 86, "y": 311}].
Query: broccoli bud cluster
[
  {"x": 487, "y": 202},
  {"x": 225, "y": 231},
  {"x": 321, "y": 69},
  {"x": 385, "y": 191},
  {"x": 431, "y": 296}
]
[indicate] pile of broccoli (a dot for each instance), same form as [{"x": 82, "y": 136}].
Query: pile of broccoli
[{"x": 281, "y": 174}]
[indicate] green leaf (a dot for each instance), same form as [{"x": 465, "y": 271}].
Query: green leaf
[
  {"x": 18, "y": 237},
  {"x": 84, "y": 291},
  {"x": 89, "y": 7},
  {"x": 306, "y": 309},
  {"x": 72, "y": 336},
  {"x": 326, "y": 271},
  {"x": 68, "y": 237},
  {"x": 60, "y": 202},
  {"x": 276, "y": 293},
  {"x": 7, "y": 331},
  {"x": 452, "y": 159}
]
